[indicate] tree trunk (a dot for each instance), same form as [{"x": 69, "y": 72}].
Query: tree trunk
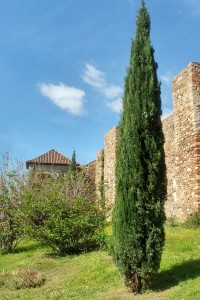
[{"x": 134, "y": 283}]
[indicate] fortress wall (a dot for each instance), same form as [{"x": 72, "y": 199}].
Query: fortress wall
[
  {"x": 168, "y": 130},
  {"x": 182, "y": 148},
  {"x": 196, "y": 101},
  {"x": 186, "y": 97},
  {"x": 110, "y": 142},
  {"x": 91, "y": 170},
  {"x": 99, "y": 170}
]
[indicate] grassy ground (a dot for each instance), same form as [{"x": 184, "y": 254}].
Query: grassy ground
[{"x": 94, "y": 276}]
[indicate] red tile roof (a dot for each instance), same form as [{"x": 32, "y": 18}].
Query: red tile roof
[{"x": 52, "y": 157}]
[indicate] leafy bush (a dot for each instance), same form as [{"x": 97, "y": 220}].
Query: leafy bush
[
  {"x": 12, "y": 184},
  {"x": 193, "y": 221},
  {"x": 64, "y": 212}
]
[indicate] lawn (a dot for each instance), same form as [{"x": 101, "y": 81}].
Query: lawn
[{"x": 94, "y": 276}]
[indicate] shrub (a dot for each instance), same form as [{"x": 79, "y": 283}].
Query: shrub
[
  {"x": 20, "y": 279},
  {"x": 64, "y": 213},
  {"x": 12, "y": 184},
  {"x": 31, "y": 279}
]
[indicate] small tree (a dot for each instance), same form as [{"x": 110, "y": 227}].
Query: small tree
[
  {"x": 64, "y": 214},
  {"x": 140, "y": 167},
  {"x": 12, "y": 185},
  {"x": 72, "y": 166}
]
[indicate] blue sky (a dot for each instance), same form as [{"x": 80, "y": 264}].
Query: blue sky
[{"x": 63, "y": 63}]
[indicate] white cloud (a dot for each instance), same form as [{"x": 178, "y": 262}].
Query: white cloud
[
  {"x": 94, "y": 77},
  {"x": 97, "y": 79},
  {"x": 112, "y": 91},
  {"x": 167, "y": 78},
  {"x": 166, "y": 113},
  {"x": 65, "y": 97},
  {"x": 115, "y": 105}
]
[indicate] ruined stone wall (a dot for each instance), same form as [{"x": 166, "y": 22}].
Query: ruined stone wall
[
  {"x": 168, "y": 130},
  {"x": 90, "y": 170},
  {"x": 182, "y": 148},
  {"x": 186, "y": 99},
  {"x": 99, "y": 171},
  {"x": 110, "y": 142}
]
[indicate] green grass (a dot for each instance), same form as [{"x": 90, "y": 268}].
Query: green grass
[{"x": 94, "y": 276}]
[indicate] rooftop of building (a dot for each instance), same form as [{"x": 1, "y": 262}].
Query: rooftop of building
[{"x": 52, "y": 157}]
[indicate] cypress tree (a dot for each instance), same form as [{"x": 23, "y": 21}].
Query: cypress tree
[
  {"x": 72, "y": 166},
  {"x": 139, "y": 216}
]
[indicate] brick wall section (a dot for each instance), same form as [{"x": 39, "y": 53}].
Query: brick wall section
[
  {"x": 110, "y": 141},
  {"x": 186, "y": 97},
  {"x": 168, "y": 129},
  {"x": 99, "y": 170}
]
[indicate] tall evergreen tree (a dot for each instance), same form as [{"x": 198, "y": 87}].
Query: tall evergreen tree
[
  {"x": 72, "y": 165},
  {"x": 139, "y": 215}
]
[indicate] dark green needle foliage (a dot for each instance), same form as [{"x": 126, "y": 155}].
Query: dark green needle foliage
[
  {"x": 139, "y": 215},
  {"x": 72, "y": 166}
]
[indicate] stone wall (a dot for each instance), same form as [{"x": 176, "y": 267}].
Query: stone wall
[
  {"x": 48, "y": 168},
  {"x": 110, "y": 141},
  {"x": 90, "y": 170},
  {"x": 99, "y": 171},
  {"x": 168, "y": 130},
  {"x": 182, "y": 148},
  {"x": 186, "y": 99}
]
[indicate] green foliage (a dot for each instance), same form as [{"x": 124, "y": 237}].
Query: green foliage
[
  {"x": 12, "y": 184},
  {"x": 193, "y": 221},
  {"x": 64, "y": 213},
  {"x": 139, "y": 216}
]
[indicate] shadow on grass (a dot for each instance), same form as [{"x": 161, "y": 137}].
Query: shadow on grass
[
  {"x": 28, "y": 247},
  {"x": 178, "y": 273}
]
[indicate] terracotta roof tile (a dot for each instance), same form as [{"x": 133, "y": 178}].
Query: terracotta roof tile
[{"x": 51, "y": 157}]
